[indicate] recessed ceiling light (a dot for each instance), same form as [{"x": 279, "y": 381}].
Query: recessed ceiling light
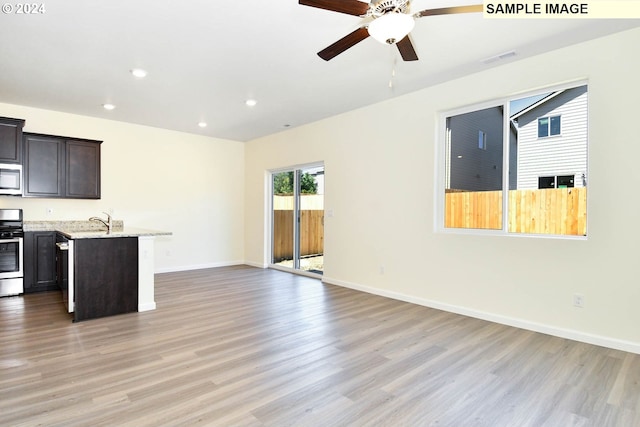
[
  {"x": 202, "y": 124},
  {"x": 139, "y": 72},
  {"x": 251, "y": 102},
  {"x": 108, "y": 106}
]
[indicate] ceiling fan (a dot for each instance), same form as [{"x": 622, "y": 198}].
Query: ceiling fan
[{"x": 388, "y": 21}]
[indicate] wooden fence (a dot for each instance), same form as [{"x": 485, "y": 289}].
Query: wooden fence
[
  {"x": 561, "y": 211},
  {"x": 311, "y": 226},
  {"x": 313, "y": 202}
]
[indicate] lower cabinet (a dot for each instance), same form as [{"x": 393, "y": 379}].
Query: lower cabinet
[
  {"x": 40, "y": 261},
  {"x": 105, "y": 277}
]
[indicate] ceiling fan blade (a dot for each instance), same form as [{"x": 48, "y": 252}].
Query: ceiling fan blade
[
  {"x": 344, "y": 43},
  {"x": 406, "y": 49},
  {"x": 450, "y": 10},
  {"x": 351, "y": 7}
]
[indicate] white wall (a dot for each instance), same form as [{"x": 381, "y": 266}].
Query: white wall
[
  {"x": 153, "y": 178},
  {"x": 387, "y": 218}
]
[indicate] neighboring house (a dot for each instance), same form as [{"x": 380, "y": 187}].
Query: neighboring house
[
  {"x": 474, "y": 150},
  {"x": 547, "y": 145},
  {"x": 552, "y": 141}
]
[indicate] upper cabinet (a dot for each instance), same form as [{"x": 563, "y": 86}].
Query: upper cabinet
[
  {"x": 44, "y": 171},
  {"x": 83, "y": 169},
  {"x": 57, "y": 166},
  {"x": 11, "y": 140}
]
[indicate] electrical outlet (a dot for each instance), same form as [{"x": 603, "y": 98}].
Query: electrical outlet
[
  {"x": 382, "y": 269},
  {"x": 578, "y": 300}
]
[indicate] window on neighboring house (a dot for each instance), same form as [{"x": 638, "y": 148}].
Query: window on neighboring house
[
  {"x": 482, "y": 140},
  {"x": 548, "y": 126},
  {"x": 516, "y": 185},
  {"x": 560, "y": 181}
]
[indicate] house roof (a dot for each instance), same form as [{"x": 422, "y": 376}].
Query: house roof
[{"x": 536, "y": 104}]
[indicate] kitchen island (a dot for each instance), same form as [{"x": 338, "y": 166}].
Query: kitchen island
[{"x": 107, "y": 273}]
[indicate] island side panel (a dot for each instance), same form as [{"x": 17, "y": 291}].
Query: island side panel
[
  {"x": 105, "y": 277},
  {"x": 146, "y": 279}
]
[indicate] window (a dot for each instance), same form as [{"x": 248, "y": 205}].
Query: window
[
  {"x": 495, "y": 174},
  {"x": 547, "y": 182},
  {"x": 566, "y": 181},
  {"x": 548, "y": 126},
  {"x": 560, "y": 181},
  {"x": 482, "y": 140}
]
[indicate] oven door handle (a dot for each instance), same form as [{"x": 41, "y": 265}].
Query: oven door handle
[{"x": 11, "y": 240}]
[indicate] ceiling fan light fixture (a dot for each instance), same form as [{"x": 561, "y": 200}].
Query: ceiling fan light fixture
[{"x": 391, "y": 27}]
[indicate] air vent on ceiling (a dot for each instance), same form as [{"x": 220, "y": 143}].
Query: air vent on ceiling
[{"x": 499, "y": 57}]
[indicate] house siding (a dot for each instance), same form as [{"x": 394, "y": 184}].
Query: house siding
[
  {"x": 468, "y": 167},
  {"x": 564, "y": 154}
]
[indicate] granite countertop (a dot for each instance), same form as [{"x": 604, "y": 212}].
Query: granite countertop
[
  {"x": 90, "y": 229},
  {"x": 116, "y": 232}
]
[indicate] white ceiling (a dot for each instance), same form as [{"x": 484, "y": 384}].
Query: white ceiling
[{"x": 206, "y": 57}]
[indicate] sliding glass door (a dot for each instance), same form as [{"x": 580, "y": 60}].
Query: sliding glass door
[{"x": 297, "y": 232}]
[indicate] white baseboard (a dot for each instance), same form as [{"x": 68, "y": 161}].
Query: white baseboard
[
  {"x": 149, "y": 306},
  {"x": 614, "y": 343},
  {"x": 255, "y": 264}
]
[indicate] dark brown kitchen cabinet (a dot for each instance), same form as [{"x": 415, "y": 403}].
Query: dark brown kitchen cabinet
[
  {"x": 105, "y": 277},
  {"x": 83, "y": 169},
  {"x": 11, "y": 140},
  {"x": 61, "y": 167},
  {"x": 40, "y": 261},
  {"x": 44, "y": 166}
]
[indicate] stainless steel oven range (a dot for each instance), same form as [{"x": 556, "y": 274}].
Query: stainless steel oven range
[{"x": 11, "y": 252}]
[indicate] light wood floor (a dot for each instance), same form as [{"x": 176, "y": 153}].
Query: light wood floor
[{"x": 240, "y": 346}]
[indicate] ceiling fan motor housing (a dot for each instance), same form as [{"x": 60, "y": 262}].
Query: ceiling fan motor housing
[{"x": 380, "y": 7}]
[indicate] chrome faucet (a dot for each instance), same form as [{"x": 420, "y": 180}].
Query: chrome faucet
[{"x": 108, "y": 223}]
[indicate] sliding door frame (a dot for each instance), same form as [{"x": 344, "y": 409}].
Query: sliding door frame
[{"x": 297, "y": 173}]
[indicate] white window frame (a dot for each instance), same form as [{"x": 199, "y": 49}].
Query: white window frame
[
  {"x": 549, "y": 134},
  {"x": 441, "y": 166}
]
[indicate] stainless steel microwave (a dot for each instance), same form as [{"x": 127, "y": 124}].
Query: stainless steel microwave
[{"x": 10, "y": 179}]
